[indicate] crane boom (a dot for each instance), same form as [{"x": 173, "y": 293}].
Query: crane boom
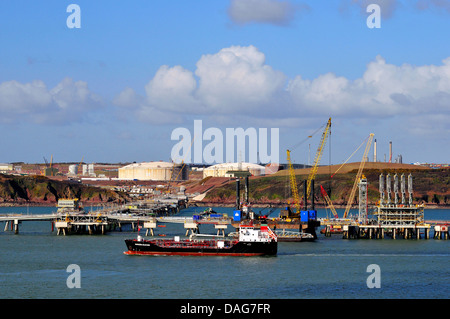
[
  {"x": 293, "y": 180},
  {"x": 80, "y": 165},
  {"x": 328, "y": 201},
  {"x": 51, "y": 163},
  {"x": 317, "y": 158},
  {"x": 358, "y": 175},
  {"x": 182, "y": 167}
]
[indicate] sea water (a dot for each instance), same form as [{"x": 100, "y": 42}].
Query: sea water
[{"x": 34, "y": 264}]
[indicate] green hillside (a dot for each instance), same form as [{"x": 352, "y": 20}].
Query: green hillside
[{"x": 431, "y": 186}]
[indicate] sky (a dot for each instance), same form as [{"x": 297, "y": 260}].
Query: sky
[{"x": 115, "y": 88}]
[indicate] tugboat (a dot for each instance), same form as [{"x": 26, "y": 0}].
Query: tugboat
[{"x": 252, "y": 241}]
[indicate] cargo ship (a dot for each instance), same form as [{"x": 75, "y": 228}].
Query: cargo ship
[{"x": 252, "y": 241}]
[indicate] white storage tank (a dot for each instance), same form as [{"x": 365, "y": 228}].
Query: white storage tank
[
  {"x": 224, "y": 169},
  {"x": 73, "y": 169},
  {"x": 155, "y": 171}
]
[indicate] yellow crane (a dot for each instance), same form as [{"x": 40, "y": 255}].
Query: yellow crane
[
  {"x": 80, "y": 166},
  {"x": 358, "y": 175},
  {"x": 317, "y": 158},
  {"x": 328, "y": 201},
  {"x": 48, "y": 168},
  {"x": 51, "y": 163},
  {"x": 293, "y": 180},
  {"x": 183, "y": 164},
  {"x": 172, "y": 171}
]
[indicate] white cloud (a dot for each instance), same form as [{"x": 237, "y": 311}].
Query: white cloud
[
  {"x": 236, "y": 79},
  {"x": 261, "y": 11},
  {"x": 235, "y": 83},
  {"x": 174, "y": 88},
  {"x": 127, "y": 99},
  {"x": 17, "y": 99},
  {"x": 74, "y": 96},
  {"x": 384, "y": 90},
  {"x": 132, "y": 106},
  {"x": 68, "y": 101}
]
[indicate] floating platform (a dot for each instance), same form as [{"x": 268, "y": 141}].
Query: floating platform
[{"x": 293, "y": 236}]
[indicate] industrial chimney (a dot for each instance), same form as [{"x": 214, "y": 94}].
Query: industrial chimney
[
  {"x": 390, "y": 152},
  {"x": 375, "y": 151}
]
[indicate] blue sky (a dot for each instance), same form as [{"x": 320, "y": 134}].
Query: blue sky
[{"x": 114, "y": 89}]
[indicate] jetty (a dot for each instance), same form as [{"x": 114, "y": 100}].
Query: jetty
[
  {"x": 393, "y": 216},
  {"x": 71, "y": 218}
]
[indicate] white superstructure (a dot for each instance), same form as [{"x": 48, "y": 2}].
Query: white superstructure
[{"x": 250, "y": 233}]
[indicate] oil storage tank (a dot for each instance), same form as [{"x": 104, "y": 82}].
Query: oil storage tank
[
  {"x": 227, "y": 169},
  {"x": 154, "y": 171}
]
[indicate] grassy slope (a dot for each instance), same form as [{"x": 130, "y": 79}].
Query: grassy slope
[{"x": 430, "y": 185}]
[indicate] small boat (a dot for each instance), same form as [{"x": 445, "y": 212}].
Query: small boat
[
  {"x": 332, "y": 229},
  {"x": 252, "y": 241}
]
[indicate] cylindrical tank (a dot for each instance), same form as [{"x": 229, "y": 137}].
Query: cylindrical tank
[
  {"x": 159, "y": 171},
  {"x": 73, "y": 169}
]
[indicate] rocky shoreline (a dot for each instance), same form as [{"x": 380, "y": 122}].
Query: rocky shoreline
[
  {"x": 431, "y": 188},
  {"x": 200, "y": 204}
]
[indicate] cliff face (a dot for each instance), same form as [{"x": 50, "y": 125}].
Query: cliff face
[
  {"x": 429, "y": 186},
  {"x": 41, "y": 190}
]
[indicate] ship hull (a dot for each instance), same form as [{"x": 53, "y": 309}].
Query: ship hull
[{"x": 207, "y": 248}]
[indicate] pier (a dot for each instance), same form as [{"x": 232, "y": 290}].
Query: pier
[
  {"x": 395, "y": 218},
  {"x": 71, "y": 219},
  {"x": 353, "y": 230},
  {"x": 392, "y": 221}
]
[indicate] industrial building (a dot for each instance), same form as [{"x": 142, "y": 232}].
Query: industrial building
[
  {"x": 228, "y": 169},
  {"x": 154, "y": 171},
  {"x": 50, "y": 171},
  {"x": 73, "y": 169},
  {"x": 4, "y": 167}
]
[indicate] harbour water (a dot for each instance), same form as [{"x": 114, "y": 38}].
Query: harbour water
[{"x": 33, "y": 264}]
